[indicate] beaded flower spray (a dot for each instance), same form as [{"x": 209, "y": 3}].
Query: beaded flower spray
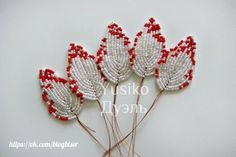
[
  {"x": 115, "y": 62},
  {"x": 146, "y": 51},
  {"x": 85, "y": 79},
  {"x": 62, "y": 104}
]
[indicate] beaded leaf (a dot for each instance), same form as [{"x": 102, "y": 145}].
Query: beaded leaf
[
  {"x": 84, "y": 77},
  {"x": 175, "y": 68},
  {"x": 113, "y": 56},
  {"x": 147, "y": 49},
  {"x": 57, "y": 95}
]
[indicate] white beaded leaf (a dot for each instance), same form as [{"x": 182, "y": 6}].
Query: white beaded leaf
[
  {"x": 113, "y": 56},
  {"x": 175, "y": 68},
  {"x": 84, "y": 77},
  {"x": 57, "y": 95},
  {"x": 147, "y": 49}
]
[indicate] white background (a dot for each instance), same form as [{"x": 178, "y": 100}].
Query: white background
[{"x": 197, "y": 122}]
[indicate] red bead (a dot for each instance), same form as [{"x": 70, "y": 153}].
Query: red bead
[
  {"x": 131, "y": 60},
  {"x": 49, "y": 86},
  {"x": 139, "y": 34},
  {"x": 68, "y": 68},
  {"x": 105, "y": 52},
  {"x": 78, "y": 47},
  {"x": 131, "y": 51},
  {"x": 91, "y": 56},
  {"x": 63, "y": 118},
  {"x": 41, "y": 76},
  {"x": 133, "y": 56},
  {"x": 155, "y": 27},
  {"x": 70, "y": 60},
  {"x": 80, "y": 94},
  {"x": 99, "y": 60},
  {"x": 185, "y": 84},
  {"x": 152, "y": 20},
  {"x": 99, "y": 52},
  {"x": 51, "y": 102},
  {"x": 51, "y": 109},
  {"x": 72, "y": 44},
  {"x": 72, "y": 82},
  {"x": 55, "y": 79},
  {"x": 44, "y": 96},
  {"x": 147, "y": 25},
  {"x": 49, "y": 71},
  {"x": 104, "y": 40},
  {"x": 180, "y": 43},
  {"x": 119, "y": 29},
  {"x": 157, "y": 72},
  {"x": 73, "y": 55},
  {"x": 126, "y": 42},
  {"x": 74, "y": 89},
  {"x": 126, "y": 38},
  {"x": 102, "y": 75},
  {"x": 62, "y": 80}
]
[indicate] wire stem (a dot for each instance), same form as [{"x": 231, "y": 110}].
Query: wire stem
[
  {"x": 132, "y": 141},
  {"x": 148, "y": 111},
  {"x": 107, "y": 128},
  {"x": 91, "y": 135}
]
